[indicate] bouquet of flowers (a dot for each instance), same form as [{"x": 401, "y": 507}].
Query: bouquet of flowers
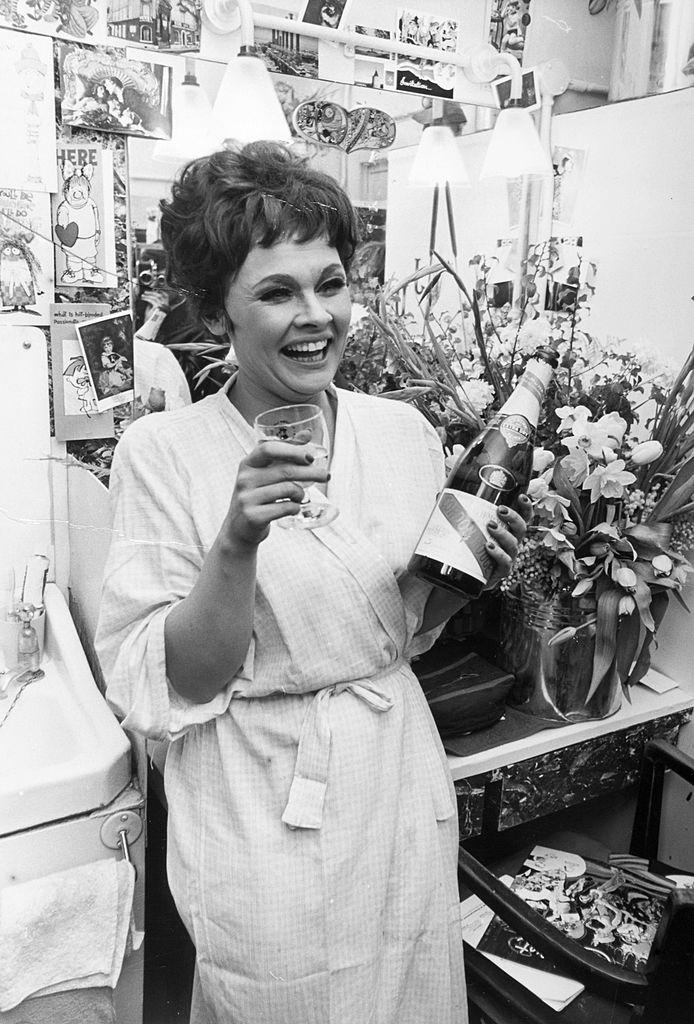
[{"x": 613, "y": 486}]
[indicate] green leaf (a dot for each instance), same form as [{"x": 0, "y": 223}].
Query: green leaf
[
  {"x": 643, "y": 662},
  {"x": 566, "y": 489},
  {"x": 677, "y": 493},
  {"x": 605, "y": 638},
  {"x": 628, "y": 634},
  {"x": 643, "y": 596}
]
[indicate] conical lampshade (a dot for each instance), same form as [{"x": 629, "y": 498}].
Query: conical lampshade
[
  {"x": 515, "y": 147},
  {"x": 191, "y": 125},
  {"x": 247, "y": 108},
  {"x": 438, "y": 159}
]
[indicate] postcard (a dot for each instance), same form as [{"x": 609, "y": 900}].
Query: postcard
[
  {"x": 530, "y": 93},
  {"x": 74, "y": 400},
  {"x": 27, "y": 112},
  {"x": 508, "y": 26},
  {"x": 415, "y": 75},
  {"x": 71, "y": 19},
  {"x": 324, "y": 12},
  {"x": 288, "y": 53},
  {"x": 107, "y": 347},
  {"x": 102, "y": 88},
  {"x": 174, "y": 26},
  {"x": 83, "y": 218},
  {"x": 26, "y": 257},
  {"x": 595, "y": 905}
]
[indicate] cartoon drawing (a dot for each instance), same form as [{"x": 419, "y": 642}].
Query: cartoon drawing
[
  {"x": 31, "y": 71},
  {"x": 77, "y": 226},
  {"x": 19, "y": 273},
  {"x": 77, "y": 376}
]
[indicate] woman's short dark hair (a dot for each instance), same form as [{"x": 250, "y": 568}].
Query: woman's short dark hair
[{"x": 224, "y": 204}]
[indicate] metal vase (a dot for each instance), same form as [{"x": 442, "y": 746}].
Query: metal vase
[{"x": 553, "y": 682}]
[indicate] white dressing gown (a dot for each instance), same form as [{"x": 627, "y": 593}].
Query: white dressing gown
[{"x": 312, "y": 823}]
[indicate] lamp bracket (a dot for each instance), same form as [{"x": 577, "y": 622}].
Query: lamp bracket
[
  {"x": 482, "y": 62},
  {"x": 221, "y": 16}
]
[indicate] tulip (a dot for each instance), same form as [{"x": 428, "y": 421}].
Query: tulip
[
  {"x": 646, "y": 452},
  {"x": 662, "y": 565}
]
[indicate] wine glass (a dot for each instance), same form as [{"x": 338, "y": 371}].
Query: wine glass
[{"x": 304, "y": 425}]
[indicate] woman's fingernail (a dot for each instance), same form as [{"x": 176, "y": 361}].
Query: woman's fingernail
[
  {"x": 328, "y": 477},
  {"x": 493, "y": 526},
  {"x": 309, "y": 458},
  {"x": 502, "y": 510},
  {"x": 525, "y": 499},
  {"x": 491, "y": 546}
]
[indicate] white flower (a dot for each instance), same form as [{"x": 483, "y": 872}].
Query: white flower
[
  {"x": 615, "y": 426},
  {"x": 542, "y": 459},
  {"x": 570, "y": 414},
  {"x": 597, "y": 439},
  {"x": 576, "y": 466},
  {"x": 647, "y": 451},
  {"x": 476, "y": 393},
  {"x": 534, "y": 333},
  {"x": 359, "y": 313},
  {"x": 608, "y": 481}
]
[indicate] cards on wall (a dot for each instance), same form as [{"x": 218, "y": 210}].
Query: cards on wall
[
  {"x": 415, "y": 74},
  {"x": 76, "y": 19},
  {"x": 26, "y": 257},
  {"x": 174, "y": 26},
  {"x": 107, "y": 347},
  {"x": 27, "y": 112},
  {"x": 83, "y": 217},
  {"x": 102, "y": 88},
  {"x": 76, "y": 413}
]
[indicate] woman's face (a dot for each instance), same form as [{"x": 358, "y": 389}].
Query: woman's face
[{"x": 289, "y": 309}]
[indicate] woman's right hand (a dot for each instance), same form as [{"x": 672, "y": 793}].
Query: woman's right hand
[{"x": 269, "y": 485}]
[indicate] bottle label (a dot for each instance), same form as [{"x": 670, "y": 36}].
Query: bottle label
[
  {"x": 456, "y": 533},
  {"x": 515, "y": 430},
  {"x": 497, "y": 477}
]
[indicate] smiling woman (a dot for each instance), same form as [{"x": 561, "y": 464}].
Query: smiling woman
[{"x": 277, "y": 661}]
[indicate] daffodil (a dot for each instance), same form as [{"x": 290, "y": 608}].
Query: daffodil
[{"x": 608, "y": 481}]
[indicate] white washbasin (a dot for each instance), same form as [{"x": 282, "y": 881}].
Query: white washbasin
[{"x": 62, "y": 752}]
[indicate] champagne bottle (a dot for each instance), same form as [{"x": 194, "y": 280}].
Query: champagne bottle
[{"x": 493, "y": 470}]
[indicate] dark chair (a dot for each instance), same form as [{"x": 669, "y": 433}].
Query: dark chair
[{"x": 662, "y": 993}]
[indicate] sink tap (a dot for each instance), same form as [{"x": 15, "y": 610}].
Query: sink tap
[{"x": 18, "y": 675}]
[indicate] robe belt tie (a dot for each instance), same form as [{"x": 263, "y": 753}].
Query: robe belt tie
[{"x": 307, "y": 792}]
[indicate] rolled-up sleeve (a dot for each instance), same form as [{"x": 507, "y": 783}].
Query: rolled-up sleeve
[{"x": 154, "y": 560}]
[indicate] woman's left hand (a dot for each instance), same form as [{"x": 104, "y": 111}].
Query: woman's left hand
[{"x": 506, "y": 533}]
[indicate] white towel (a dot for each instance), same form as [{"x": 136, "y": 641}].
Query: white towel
[{"x": 64, "y": 931}]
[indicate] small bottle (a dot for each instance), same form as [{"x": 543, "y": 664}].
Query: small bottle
[
  {"x": 28, "y": 652},
  {"x": 493, "y": 470}
]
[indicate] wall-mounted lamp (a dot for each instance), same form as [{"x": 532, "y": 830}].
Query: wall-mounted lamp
[
  {"x": 191, "y": 122},
  {"x": 246, "y": 108},
  {"x": 515, "y": 148}
]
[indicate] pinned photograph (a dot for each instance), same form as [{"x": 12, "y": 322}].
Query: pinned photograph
[
  {"x": 324, "y": 12},
  {"x": 72, "y": 19},
  {"x": 83, "y": 217},
  {"x": 102, "y": 88},
  {"x": 174, "y": 26},
  {"x": 377, "y": 33},
  {"x": 417, "y": 75},
  {"x": 569, "y": 167},
  {"x": 75, "y": 411},
  {"x": 27, "y": 112},
  {"x": 26, "y": 257},
  {"x": 107, "y": 347},
  {"x": 530, "y": 94},
  {"x": 508, "y": 26},
  {"x": 285, "y": 52}
]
